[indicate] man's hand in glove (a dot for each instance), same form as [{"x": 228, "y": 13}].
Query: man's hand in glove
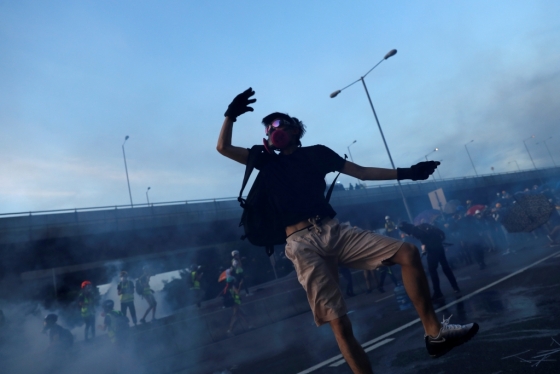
[
  {"x": 420, "y": 171},
  {"x": 240, "y": 104}
]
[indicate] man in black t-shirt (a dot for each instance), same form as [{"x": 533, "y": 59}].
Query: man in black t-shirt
[{"x": 317, "y": 243}]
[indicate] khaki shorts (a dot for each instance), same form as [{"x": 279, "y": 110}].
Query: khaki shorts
[{"x": 316, "y": 256}]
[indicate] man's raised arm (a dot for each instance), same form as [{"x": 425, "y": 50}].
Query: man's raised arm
[
  {"x": 420, "y": 171},
  {"x": 238, "y": 106}
]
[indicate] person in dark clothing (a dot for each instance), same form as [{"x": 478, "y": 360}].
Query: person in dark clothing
[
  {"x": 61, "y": 339},
  {"x": 383, "y": 272},
  {"x": 125, "y": 290},
  {"x": 432, "y": 240},
  {"x": 475, "y": 240},
  {"x": 345, "y": 272},
  {"x": 294, "y": 179},
  {"x": 86, "y": 302}
]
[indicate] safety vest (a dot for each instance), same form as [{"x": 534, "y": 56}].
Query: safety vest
[
  {"x": 390, "y": 226},
  {"x": 235, "y": 295},
  {"x": 87, "y": 306},
  {"x": 118, "y": 326},
  {"x": 195, "y": 282},
  {"x": 127, "y": 291}
]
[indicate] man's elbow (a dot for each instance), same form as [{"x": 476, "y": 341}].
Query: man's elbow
[{"x": 220, "y": 148}]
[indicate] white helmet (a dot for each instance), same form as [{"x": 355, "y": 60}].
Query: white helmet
[
  {"x": 387, "y": 217},
  {"x": 234, "y": 253}
]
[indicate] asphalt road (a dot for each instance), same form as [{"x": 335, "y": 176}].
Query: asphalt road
[{"x": 516, "y": 301}]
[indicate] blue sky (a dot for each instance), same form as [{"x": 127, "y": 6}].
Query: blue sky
[{"x": 76, "y": 77}]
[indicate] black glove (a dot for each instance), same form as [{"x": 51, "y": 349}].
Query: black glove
[
  {"x": 406, "y": 227},
  {"x": 420, "y": 171},
  {"x": 240, "y": 104}
]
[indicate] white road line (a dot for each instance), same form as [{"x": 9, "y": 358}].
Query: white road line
[
  {"x": 398, "y": 329},
  {"x": 383, "y": 342},
  {"x": 558, "y": 255},
  {"x": 385, "y": 298}
]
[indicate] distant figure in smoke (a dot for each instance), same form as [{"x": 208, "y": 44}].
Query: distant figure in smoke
[
  {"x": 317, "y": 242},
  {"x": 195, "y": 278},
  {"x": 391, "y": 229},
  {"x": 231, "y": 299},
  {"x": 147, "y": 293},
  {"x": 345, "y": 272},
  {"x": 432, "y": 240},
  {"x": 61, "y": 339},
  {"x": 383, "y": 272},
  {"x": 116, "y": 324},
  {"x": 86, "y": 301},
  {"x": 237, "y": 265},
  {"x": 125, "y": 290}
]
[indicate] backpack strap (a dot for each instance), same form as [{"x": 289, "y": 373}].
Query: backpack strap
[
  {"x": 251, "y": 160},
  {"x": 329, "y": 192}
]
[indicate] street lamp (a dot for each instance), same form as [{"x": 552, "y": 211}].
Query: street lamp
[
  {"x": 515, "y": 164},
  {"x": 147, "y": 198},
  {"x": 126, "y": 169},
  {"x": 524, "y": 142},
  {"x": 391, "y": 53},
  {"x": 472, "y": 163},
  {"x": 350, "y": 153},
  {"x": 550, "y": 154}
]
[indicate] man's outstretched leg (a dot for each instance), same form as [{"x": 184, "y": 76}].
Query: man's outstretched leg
[
  {"x": 440, "y": 338},
  {"x": 352, "y": 351}
]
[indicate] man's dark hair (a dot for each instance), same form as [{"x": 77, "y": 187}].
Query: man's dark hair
[{"x": 293, "y": 121}]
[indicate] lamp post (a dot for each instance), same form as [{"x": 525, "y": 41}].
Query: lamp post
[
  {"x": 350, "y": 153},
  {"x": 472, "y": 163},
  {"x": 525, "y": 142},
  {"x": 435, "y": 182},
  {"x": 518, "y": 169},
  {"x": 126, "y": 169},
  {"x": 147, "y": 198},
  {"x": 550, "y": 154},
  {"x": 391, "y": 53}
]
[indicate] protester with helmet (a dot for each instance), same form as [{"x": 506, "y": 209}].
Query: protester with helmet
[
  {"x": 125, "y": 290},
  {"x": 195, "y": 278},
  {"x": 86, "y": 301},
  {"x": 61, "y": 339},
  {"x": 116, "y": 324},
  {"x": 237, "y": 266},
  {"x": 391, "y": 229},
  {"x": 147, "y": 293}
]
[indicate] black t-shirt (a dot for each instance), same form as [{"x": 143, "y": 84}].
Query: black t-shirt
[{"x": 296, "y": 182}]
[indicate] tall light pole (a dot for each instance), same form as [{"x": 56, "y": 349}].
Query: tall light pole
[
  {"x": 391, "y": 53},
  {"x": 525, "y": 142},
  {"x": 426, "y": 157},
  {"x": 518, "y": 169},
  {"x": 147, "y": 198},
  {"x": 550, "y": 154},
  {"x": 472, "y": 163},
  {"x": 350, "y": 153},
  {"x": 126, "y": 169},
  {"x": 435, "y": 182}
]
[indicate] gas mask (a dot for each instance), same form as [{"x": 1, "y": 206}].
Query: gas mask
[{"x": 279, "y": 139}]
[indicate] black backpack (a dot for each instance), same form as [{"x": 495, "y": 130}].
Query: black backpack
[{"x": 260, "y": 220}]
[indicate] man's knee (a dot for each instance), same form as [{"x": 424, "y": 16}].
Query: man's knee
[{"x": 407, "y": 255}]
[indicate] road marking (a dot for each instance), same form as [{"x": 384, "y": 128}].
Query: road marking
[
  {"x": 407, "y": 325},
  {"x": 558, "y": 255},
  {"x": 385, "y": 298},
  {"x": 383, "y": 342}
]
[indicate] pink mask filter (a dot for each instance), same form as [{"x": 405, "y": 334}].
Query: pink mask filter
[{"x": 280, "y": 139}]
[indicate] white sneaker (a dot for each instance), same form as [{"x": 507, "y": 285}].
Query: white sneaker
[{"x": 449, "y": 337}]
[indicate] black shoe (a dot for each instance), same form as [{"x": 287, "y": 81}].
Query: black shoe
[
  {"x": 381, "y": 289},
  {"x": 457, "y": 290},
  {"x": 449, "y": 337}
]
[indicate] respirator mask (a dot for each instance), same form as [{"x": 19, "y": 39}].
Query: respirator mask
[{"x": 279, "y": 139}]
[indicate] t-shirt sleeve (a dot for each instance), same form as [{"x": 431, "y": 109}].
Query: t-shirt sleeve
[{"x": 329, "y": 160}]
